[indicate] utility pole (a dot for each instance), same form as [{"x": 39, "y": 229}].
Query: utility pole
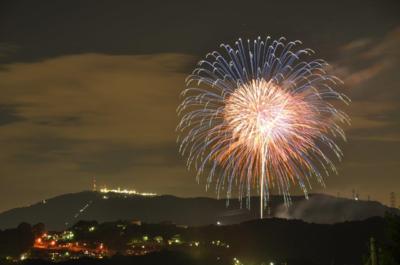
[
  {"x": 94, "y": 187},
  {"x": 373, "y": 256}
]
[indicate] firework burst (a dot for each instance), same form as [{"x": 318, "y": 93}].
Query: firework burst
[{"x": 260, "y": 117}]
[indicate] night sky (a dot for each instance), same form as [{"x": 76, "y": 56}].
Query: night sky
[{"x": 90, "y": 88}]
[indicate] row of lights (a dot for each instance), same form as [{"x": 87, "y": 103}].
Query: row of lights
[{"x": 126, "y": 191}]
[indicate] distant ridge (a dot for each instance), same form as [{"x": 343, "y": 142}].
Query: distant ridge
[{"x": 65, "y": 210}]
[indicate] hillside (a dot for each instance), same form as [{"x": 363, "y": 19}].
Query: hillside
[{"x": 64, "y": 210}]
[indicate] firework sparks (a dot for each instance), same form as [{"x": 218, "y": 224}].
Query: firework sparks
[{"x": 262, "y": 118}]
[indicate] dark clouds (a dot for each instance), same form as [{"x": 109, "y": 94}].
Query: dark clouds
[
  {"x": 52, "y": 28},
  {"x": 8, "y": 114},
  {"x": 369, "y": 68},
  {"x": 74, "y": 117},
  {"x": 370, "y": 73},
  {"x": 90, "y": 88}
]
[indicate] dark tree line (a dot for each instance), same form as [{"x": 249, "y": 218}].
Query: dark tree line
[
  {"x": 390, "y": 251},
  {"x": 16, "y": 241}
]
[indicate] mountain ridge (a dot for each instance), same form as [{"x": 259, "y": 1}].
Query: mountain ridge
[{"x": 64, "y": 210}]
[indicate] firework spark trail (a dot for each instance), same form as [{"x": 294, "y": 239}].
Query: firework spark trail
[{"x": 258, "y": 116}]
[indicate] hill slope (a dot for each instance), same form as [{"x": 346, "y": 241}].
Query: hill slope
[{"x": 64, "y": 210}]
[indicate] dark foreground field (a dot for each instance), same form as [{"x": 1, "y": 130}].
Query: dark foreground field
[{"x": 158, "y": 258}]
